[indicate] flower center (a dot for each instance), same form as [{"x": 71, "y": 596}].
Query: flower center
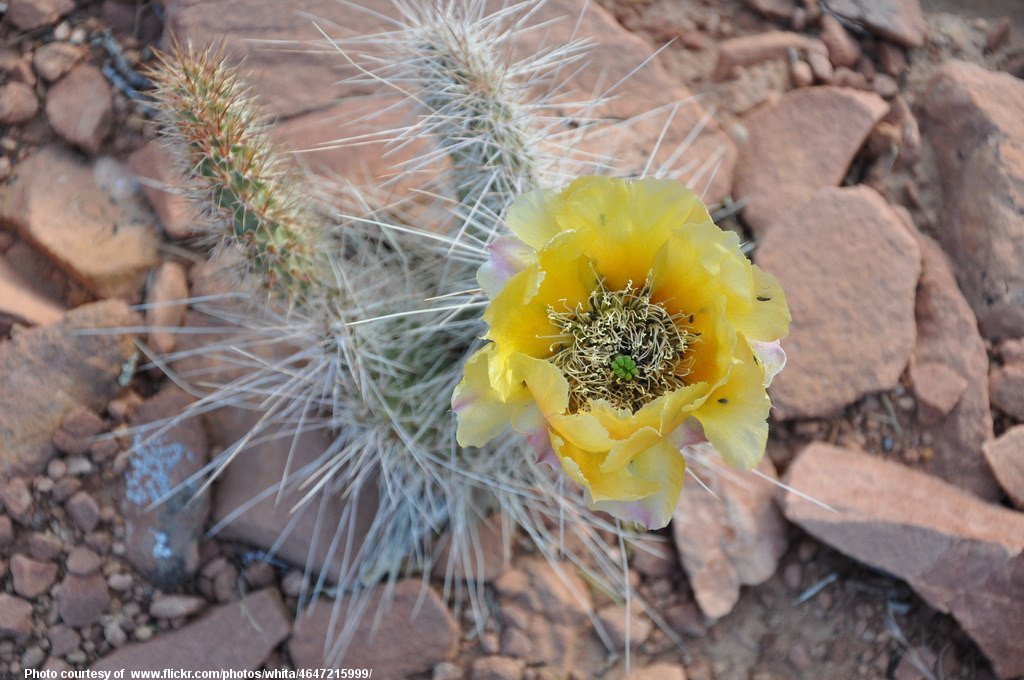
[{"x": 621, "y": 347}]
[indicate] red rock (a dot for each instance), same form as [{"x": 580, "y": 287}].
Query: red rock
[
  {"x": 885, "y": 86},
  {"x": 53, "y": 60},
  {"x": 659, "y": 671},
  {"x": 83, "y": 511},
  {"x": 104, "y": 240},
  {"x": 44, "y": 546},
  {"x": 50, "y": 370},
  {"x": 1006, "y": 457},
  {"x": 729, "y": 541},
  {"x": 162, "y": 541},
  {"x": 162, "y": 185},
  {"x": 973, "y": 122},
  {"x": 57, "y": 666},
  {"x": 416, "y": 631},
  {"x": 82, "y": 562},
  {"x": 801, "y": 73},
  {"x": 218, "y": 579},
  {"x": 773, "y": 9},
  {"x": 998, "y": 34},
  {"x": 903, "y": 118},
  {"x": 176, "y": 606},
  {"x": 32, "y": 578},
  {"x": 486, "y": 559},
  {"x": 654, "y": 559},
  {"x": 18, "y": 500},
  {"x": 613, "y": 620},
  {"x": 892, "y": 58},
  {"x": 6, "y": 531},
  {"x": 542, "y": 613},
  {"x": 18, "y": 103},
  {"x": 63, "y": 639},
  {"x": 80, "y": 108},
  {"x": 1006, "y": 384},
  {"x": 759, "y": 47},
  {"x": 76, "y": 432},
  {"x": 169, "y": 285},
  {"x": 843, "y": 50},
  {"x": 300, "y": 83},
  {"x": 802, "y": 143},
  {"x": 28, "y": 15},
  {"x": 497, "y": 668},
  {"x": 850, "y": 269},
  {"x": 901, "y": 21},
  {"x": 238, "y": 636},
  {"x": 15, "y": 617},
  {"x": 1011, "y": 350},
  {"x": 949, "y": 371},
  {"x": 963, "y": 556},
  {"x": 21, "y": 303},
  {"x": 261, "y": 467},
  {"x": 821, "y": 67},
  {"x": 845, "y": 77},
  {"x": 83, "y": 599}
]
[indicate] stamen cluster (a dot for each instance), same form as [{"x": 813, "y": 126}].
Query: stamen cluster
[{"x": 621, "y": 347}]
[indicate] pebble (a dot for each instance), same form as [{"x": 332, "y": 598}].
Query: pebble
[
  {"x": 18, "y": 103},
  {"x": 6, "y": 531},
  {"x": 885, "y": 86},
  {"x": 15, "y": 617},
  {"x": 84, "y": 511},
  {"x": 18, "y": 500},
  {"x": 803, "y": 75},
  {"x": 32, "y": 578},
  {"x": 44, "y": 546},
  {"x": 33, "y": 657},
  {"x": 53, "y": 60},
  {"x": 120, "y": 582},
  {"x": 63, "y": 639},
  {"x": 176, "y": 606},
  {"x": 83, "y": 599},
  {"x": 80, "y": 107},
  {"x": 114, "y": 634},
  {"x": 82, "y": 562},
  {"x": 217, "y": 579}
]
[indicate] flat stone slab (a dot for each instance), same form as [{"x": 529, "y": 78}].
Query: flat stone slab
[
  {"x": 963, "y": 556},
  {"x": 49, "y": 371},
  {"x": 82, "y": 217},
  {"x": 237, "y": 636},
  {"x": 850, "y": 268},
  {"x": 416, "y": 631}
]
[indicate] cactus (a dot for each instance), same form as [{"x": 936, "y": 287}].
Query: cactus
[
  {"x": 249, "y": 196},
  {"x": 382, "y": 312}
]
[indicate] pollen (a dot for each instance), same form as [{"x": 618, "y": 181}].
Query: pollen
[{"x": 621, "y": 347}]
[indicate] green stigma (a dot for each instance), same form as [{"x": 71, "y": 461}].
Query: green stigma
[{"x": 624, "y": 367}]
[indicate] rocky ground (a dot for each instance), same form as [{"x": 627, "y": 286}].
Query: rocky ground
[{"x": 877, "y": 150}]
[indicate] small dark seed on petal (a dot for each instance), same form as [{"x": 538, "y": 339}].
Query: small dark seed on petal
[{"x": 723, "y": 400}]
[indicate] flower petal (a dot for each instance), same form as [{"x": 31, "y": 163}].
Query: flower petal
[
  {"x": 767, "y": 317},
  {"x": 735, "y": 417},
  {"x": 506, "y": 257},
  {"x": 628, "y": 222},
  {"x": 585, "y": 468},
  {"x": 481, "y": 414},
  {"x": 533, "y": 217},
  {"x": 664, "y": 464},
  {"x": 530, "y": 422},
  {"x": 771, "y": 356}
]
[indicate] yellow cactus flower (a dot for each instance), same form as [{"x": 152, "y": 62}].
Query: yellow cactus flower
[{"x": 624, "y": 325}]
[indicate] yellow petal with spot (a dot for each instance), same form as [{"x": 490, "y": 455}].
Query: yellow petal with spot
[{"x": 735, "y": 416}]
